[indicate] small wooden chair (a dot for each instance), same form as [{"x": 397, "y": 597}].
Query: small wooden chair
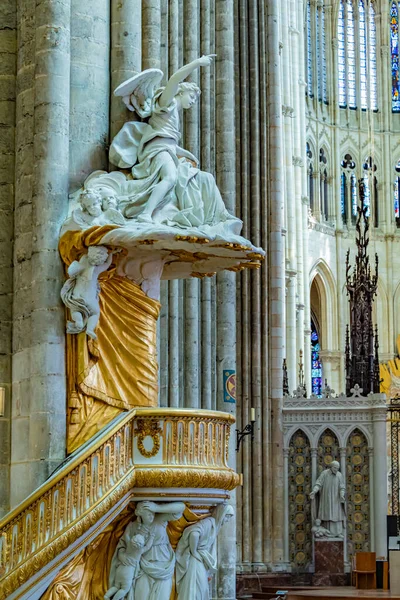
[{"x": 364, "y": 570}]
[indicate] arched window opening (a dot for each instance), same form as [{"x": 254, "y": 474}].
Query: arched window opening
[
  {"x": 342, "y": 56},
  {"x": 396, "y": 194},
  {"x": 316, "y": 365},
  {"x": 343, "y": 197},
  {"x": 357, "y": 57},
  {"x": 323, "y": 184},
  {"x": 363, "y": 55},
  {"x": 348, "y": 189},
  {"x": 394, "y": 48},
  {"x": 309, "y": 69},
  {"x": 315, "y": 51},
  {"x": 370, "y": 189},
  {"x": 310, "y": 178},
  {"x": 373, "y": 88}
]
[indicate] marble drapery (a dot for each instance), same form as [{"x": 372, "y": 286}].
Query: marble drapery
[
  {"x": 86, "y": 576},
  {"x": 119, "y": 370}
]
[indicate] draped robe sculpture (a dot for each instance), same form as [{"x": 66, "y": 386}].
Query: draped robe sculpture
[{"x": 329, "y": 489}]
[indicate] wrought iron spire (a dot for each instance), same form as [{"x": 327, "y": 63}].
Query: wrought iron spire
[{"x": 362, "y": 360}]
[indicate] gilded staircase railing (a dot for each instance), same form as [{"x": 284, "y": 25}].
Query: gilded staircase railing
[{"x": 190, "y": 449}]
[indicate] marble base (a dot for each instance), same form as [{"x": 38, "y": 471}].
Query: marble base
[{"x": 328, "y": 556}]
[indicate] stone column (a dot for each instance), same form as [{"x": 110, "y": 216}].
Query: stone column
[
  {"x": 286, "y": 505},
  {"x": 380, "y": 479},
  {"x": 314, "y": 473},
  {"x": 226, "y": 282},
  {"x": 371, "y": 498},
  {"x": 8, "y": 65},
  {"x": 343, "y": 453},
  {"x": 276, "y": 273},
  {"x": 41, "y": 445}
]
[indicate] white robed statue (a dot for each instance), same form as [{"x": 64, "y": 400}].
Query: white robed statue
[
  {"x": 196, "y": 555},
  {"x": 329, "y": 495},
  {"x": 166, "y": 186},
  {"x": 153, "y": 578}
]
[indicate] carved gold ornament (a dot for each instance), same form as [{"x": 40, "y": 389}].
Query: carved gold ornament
[
  {"x": 92, "y": 483},
  {"x": 147, "y": 428}
]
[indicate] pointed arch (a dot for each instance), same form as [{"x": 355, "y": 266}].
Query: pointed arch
[{"x": 326, "y": 310}]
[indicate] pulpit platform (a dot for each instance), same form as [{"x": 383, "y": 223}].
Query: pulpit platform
[{"x": 344, "y": 593}]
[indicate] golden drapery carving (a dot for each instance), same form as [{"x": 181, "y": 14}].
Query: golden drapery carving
[
  {"x": 86, "y": 576},
  {"x": 390, "y": 375},
  {"x": 119, "y": 370}
]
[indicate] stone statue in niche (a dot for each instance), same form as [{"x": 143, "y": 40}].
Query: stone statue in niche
[
  {"x": 80, "y": 293},
  {"x": 153, "y": 577},
  {"x": 328, "y": 500},
  {"x": 167, "y": 186},
  {"x": 196, "y": 557}
]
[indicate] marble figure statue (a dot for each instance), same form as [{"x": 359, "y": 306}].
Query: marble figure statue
[
  {"x": 329, "y": 494},
  {"x": 154, "y": 577},
  {"x": 93, "y": 210},
  {"x": 128, "y": 567},
  {"x": 80, "y": 292},
  {"x": 167, "y": 186},
  {"x": 196, "y": 557}
]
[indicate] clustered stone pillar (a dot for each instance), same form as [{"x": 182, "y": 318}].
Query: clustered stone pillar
[
  {"x": 39, "y": 403},
  {"x": 8, "y": 56}
]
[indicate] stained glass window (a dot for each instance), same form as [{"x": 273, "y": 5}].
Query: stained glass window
[
  {"x": 323, "y": 57},
  {"x": 373, "y": 90},
  {"x": 363, "y": 56},
  {"x": 343, "y": 197},
  {"x": 396, "y": 194},
  {"x": 316, "y": 366},
  {"x": 394, "y": 47},
  {"x": 309, "y": 52},
  {"x": 342, "y": 57},
  {"x": 351, "y": 56},
  {"x": 353, "y": 186}
]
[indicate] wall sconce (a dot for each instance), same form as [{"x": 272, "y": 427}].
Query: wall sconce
[
  {"x": 2, "y": 401},
  {"x": 248, "y": 430}
]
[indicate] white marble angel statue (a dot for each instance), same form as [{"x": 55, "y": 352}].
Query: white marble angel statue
[
  {"x": 196, "y": 555},
  {"x": 80, "y": 293},
  {"x": 167, "y": 187},
  {"x": 157, "y": 564}
]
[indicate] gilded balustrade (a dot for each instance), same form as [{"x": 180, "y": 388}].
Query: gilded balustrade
[{"x": 147, "y": 448}]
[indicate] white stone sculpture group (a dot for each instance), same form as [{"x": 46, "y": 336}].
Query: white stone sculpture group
[
  {"x": 165, "y": 208},
  {"x": 329, "y": 516},
  {"x": 165, "y": 185},
  {"x": 144, "y": 562}
]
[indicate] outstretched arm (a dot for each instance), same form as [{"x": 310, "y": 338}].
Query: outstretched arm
[{"x": 171, "y": 88}]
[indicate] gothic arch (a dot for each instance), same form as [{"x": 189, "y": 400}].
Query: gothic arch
[{"x": 323, "y": 288}]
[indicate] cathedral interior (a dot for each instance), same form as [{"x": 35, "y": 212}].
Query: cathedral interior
[{"x": 199, "y": 298}]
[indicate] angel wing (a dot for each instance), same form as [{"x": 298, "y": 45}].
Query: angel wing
[{"x": 138, "y": 91}]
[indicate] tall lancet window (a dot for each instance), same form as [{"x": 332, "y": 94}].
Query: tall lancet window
[
  {"x": 316, "y": 366},
  {"x": 309, "y": 53},
  {"x": 321, "y": 54},
  {"x": 342, "y": 56},
  {"x": 357, "y": 54},
  {"x": 363, "y": 55},
  {"x": 394, "y": 47},
  {"x": 396, "y": 188},
  {"x": 373, "y": 88}
]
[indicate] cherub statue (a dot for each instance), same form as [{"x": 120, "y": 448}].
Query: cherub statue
[
  {"x": 90, "y": 212},
  {"x": 128, "y": 566},
  {"x": 166, "y": 187},
  {"x": 319, "y": 531},
  {"x": 80, "y": 293}
]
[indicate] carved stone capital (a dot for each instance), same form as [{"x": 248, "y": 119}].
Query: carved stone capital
[
  {"x": 297, "y": 161},
  {"x": 287, "y": 111},
  {"x": 313, "y": 452},
  {"x": 305, "y": 200},
  {"x": 370, "y": 451},
  {"x": 342, "y": 452}
]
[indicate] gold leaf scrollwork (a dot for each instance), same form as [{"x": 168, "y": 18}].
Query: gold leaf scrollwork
[{"x": 145, "y": 428}]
